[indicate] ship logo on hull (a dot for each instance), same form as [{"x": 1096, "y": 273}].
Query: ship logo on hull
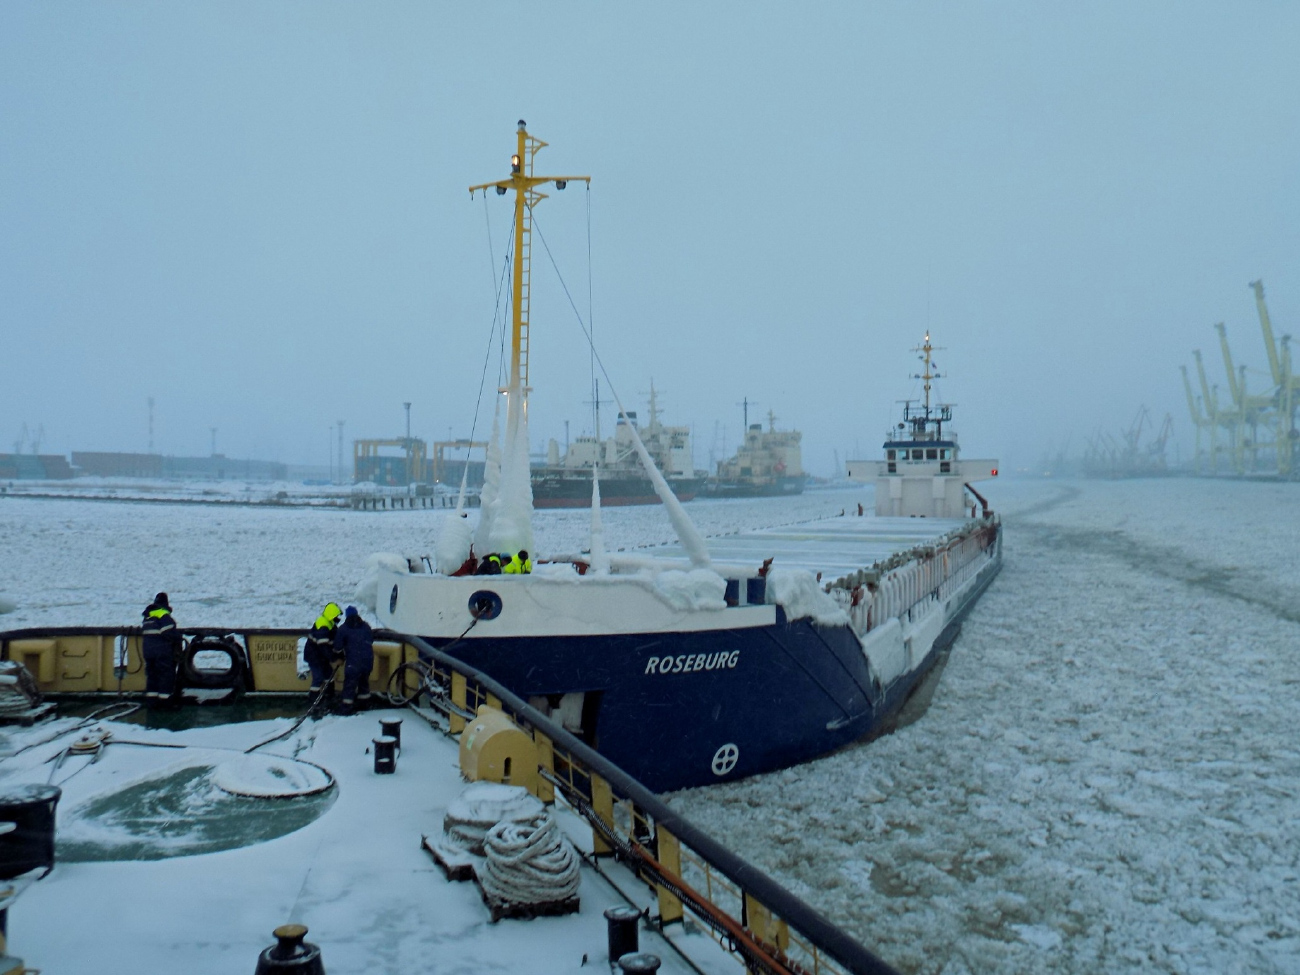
[
  {"x": 689, "y": 663},
  {"x": 725, "y": 759}
]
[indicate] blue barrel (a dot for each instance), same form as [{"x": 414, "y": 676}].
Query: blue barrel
[
  {"x": 756, "y": 590},
  {"x": 30, "y": 843}
]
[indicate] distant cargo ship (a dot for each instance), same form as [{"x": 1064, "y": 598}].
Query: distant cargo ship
[
  {"x": 565, "y": 481},
  {"x": 768, "y": 463}
]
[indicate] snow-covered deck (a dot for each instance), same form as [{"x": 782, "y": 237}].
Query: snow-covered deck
[
  {"x": 356, "y": 876},
  {"x": 831, "y": 546}
]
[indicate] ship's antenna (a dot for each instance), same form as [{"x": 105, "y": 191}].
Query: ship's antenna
[{"x": 929, "y": 374}]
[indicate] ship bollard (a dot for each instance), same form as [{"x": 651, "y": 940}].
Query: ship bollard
[
  {"x": 621, "y": 923},
  {"x": 290, "y": 954},
  {"x": 27, "y": 837},
  {"x": 385, "y": 755},
  {"x": 392, "y": 728},
  {"x": 641, "y": 963}
]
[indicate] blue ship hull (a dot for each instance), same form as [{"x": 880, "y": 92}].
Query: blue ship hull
[{"x": 731, "y": 703}]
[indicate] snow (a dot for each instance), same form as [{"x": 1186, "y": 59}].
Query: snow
[
  {"x": 69, "y": 563},
  {"x": 599, "y": 557},
  {"x": 491, "y": 485},
  {"x": 696, "y": 589},
  {"x": 453, "y": 544},
  {"x": 354, "y": 872},
  {"x": 367, "y": 590},
  {"x": 481, "y": 805},
  {"x": 511, "y": 512},
  {"x": 269, "y": 776},
  {"x": 798, "y": 591},
  {"x": 1106, "y": 778}
]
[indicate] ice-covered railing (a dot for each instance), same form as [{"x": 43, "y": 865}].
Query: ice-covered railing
[
  {"x": 899, "y": 586},
  {"x": 765, "y": 927}
]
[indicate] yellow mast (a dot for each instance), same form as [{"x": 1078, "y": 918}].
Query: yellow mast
[{"x": 527, "y": 195}]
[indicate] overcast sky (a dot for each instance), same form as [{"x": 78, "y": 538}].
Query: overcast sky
[{"x": 257, "y": 214}]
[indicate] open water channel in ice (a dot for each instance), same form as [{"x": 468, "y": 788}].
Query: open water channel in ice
[{"x": 1106, "y": 780}]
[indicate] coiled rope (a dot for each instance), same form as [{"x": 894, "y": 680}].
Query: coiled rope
[
  {"x": 529, "y": 863},
  {"x": 18, "y": 690}
]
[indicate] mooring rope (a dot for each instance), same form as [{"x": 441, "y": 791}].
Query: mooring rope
[{"x": 529, "y": 863}]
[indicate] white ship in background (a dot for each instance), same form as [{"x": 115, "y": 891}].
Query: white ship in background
[
  {"x": 565, "y": 481},
  {"x": 768, "y": 463},
  {"x": 922, "y": 474}
]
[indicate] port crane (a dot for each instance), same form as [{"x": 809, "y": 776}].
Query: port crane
[
  {"x": 1199, "y": 419},
  {"x": 1254, "y": 423},
  {"x": 1286, "y": 383}
]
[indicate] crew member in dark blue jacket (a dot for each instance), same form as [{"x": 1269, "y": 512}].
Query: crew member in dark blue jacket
[
  {"x": 320, "y": 646},
  {"x": 161, "y": 648},
  {"x": 355, "y": 640}
]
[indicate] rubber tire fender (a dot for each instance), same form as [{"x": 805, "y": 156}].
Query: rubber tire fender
[{"x": 234, "y": 677}]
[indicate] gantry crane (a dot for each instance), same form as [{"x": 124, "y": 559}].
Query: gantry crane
[
  {"x": 1287, "y": 385},
  {"x": 1198, "y": 418},
  {"x": 1249, "y": 411},
  {"x": 1254, "y": 422},
  {"x": 1210, "y": 397}
]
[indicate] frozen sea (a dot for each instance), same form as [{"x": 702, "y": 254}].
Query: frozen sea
[{"x": 1107, "y": 778}]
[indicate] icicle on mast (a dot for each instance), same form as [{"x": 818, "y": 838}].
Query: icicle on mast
[{"x": 511, "y": 520}]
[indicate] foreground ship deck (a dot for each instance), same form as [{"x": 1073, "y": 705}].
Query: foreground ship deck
[{"x": 161, "y": 868}]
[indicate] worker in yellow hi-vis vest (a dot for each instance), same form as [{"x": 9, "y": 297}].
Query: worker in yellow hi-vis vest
[{"x": 519, "y": 564}]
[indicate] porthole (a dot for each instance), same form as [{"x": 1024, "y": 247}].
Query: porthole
[{"x": 485, "y": 605}]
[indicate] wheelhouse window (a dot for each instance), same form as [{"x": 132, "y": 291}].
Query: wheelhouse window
[
  {"x": 932, "y": 454},
  {"x": 891, "y": 455},
  {"x": 918, "y": 454}
]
